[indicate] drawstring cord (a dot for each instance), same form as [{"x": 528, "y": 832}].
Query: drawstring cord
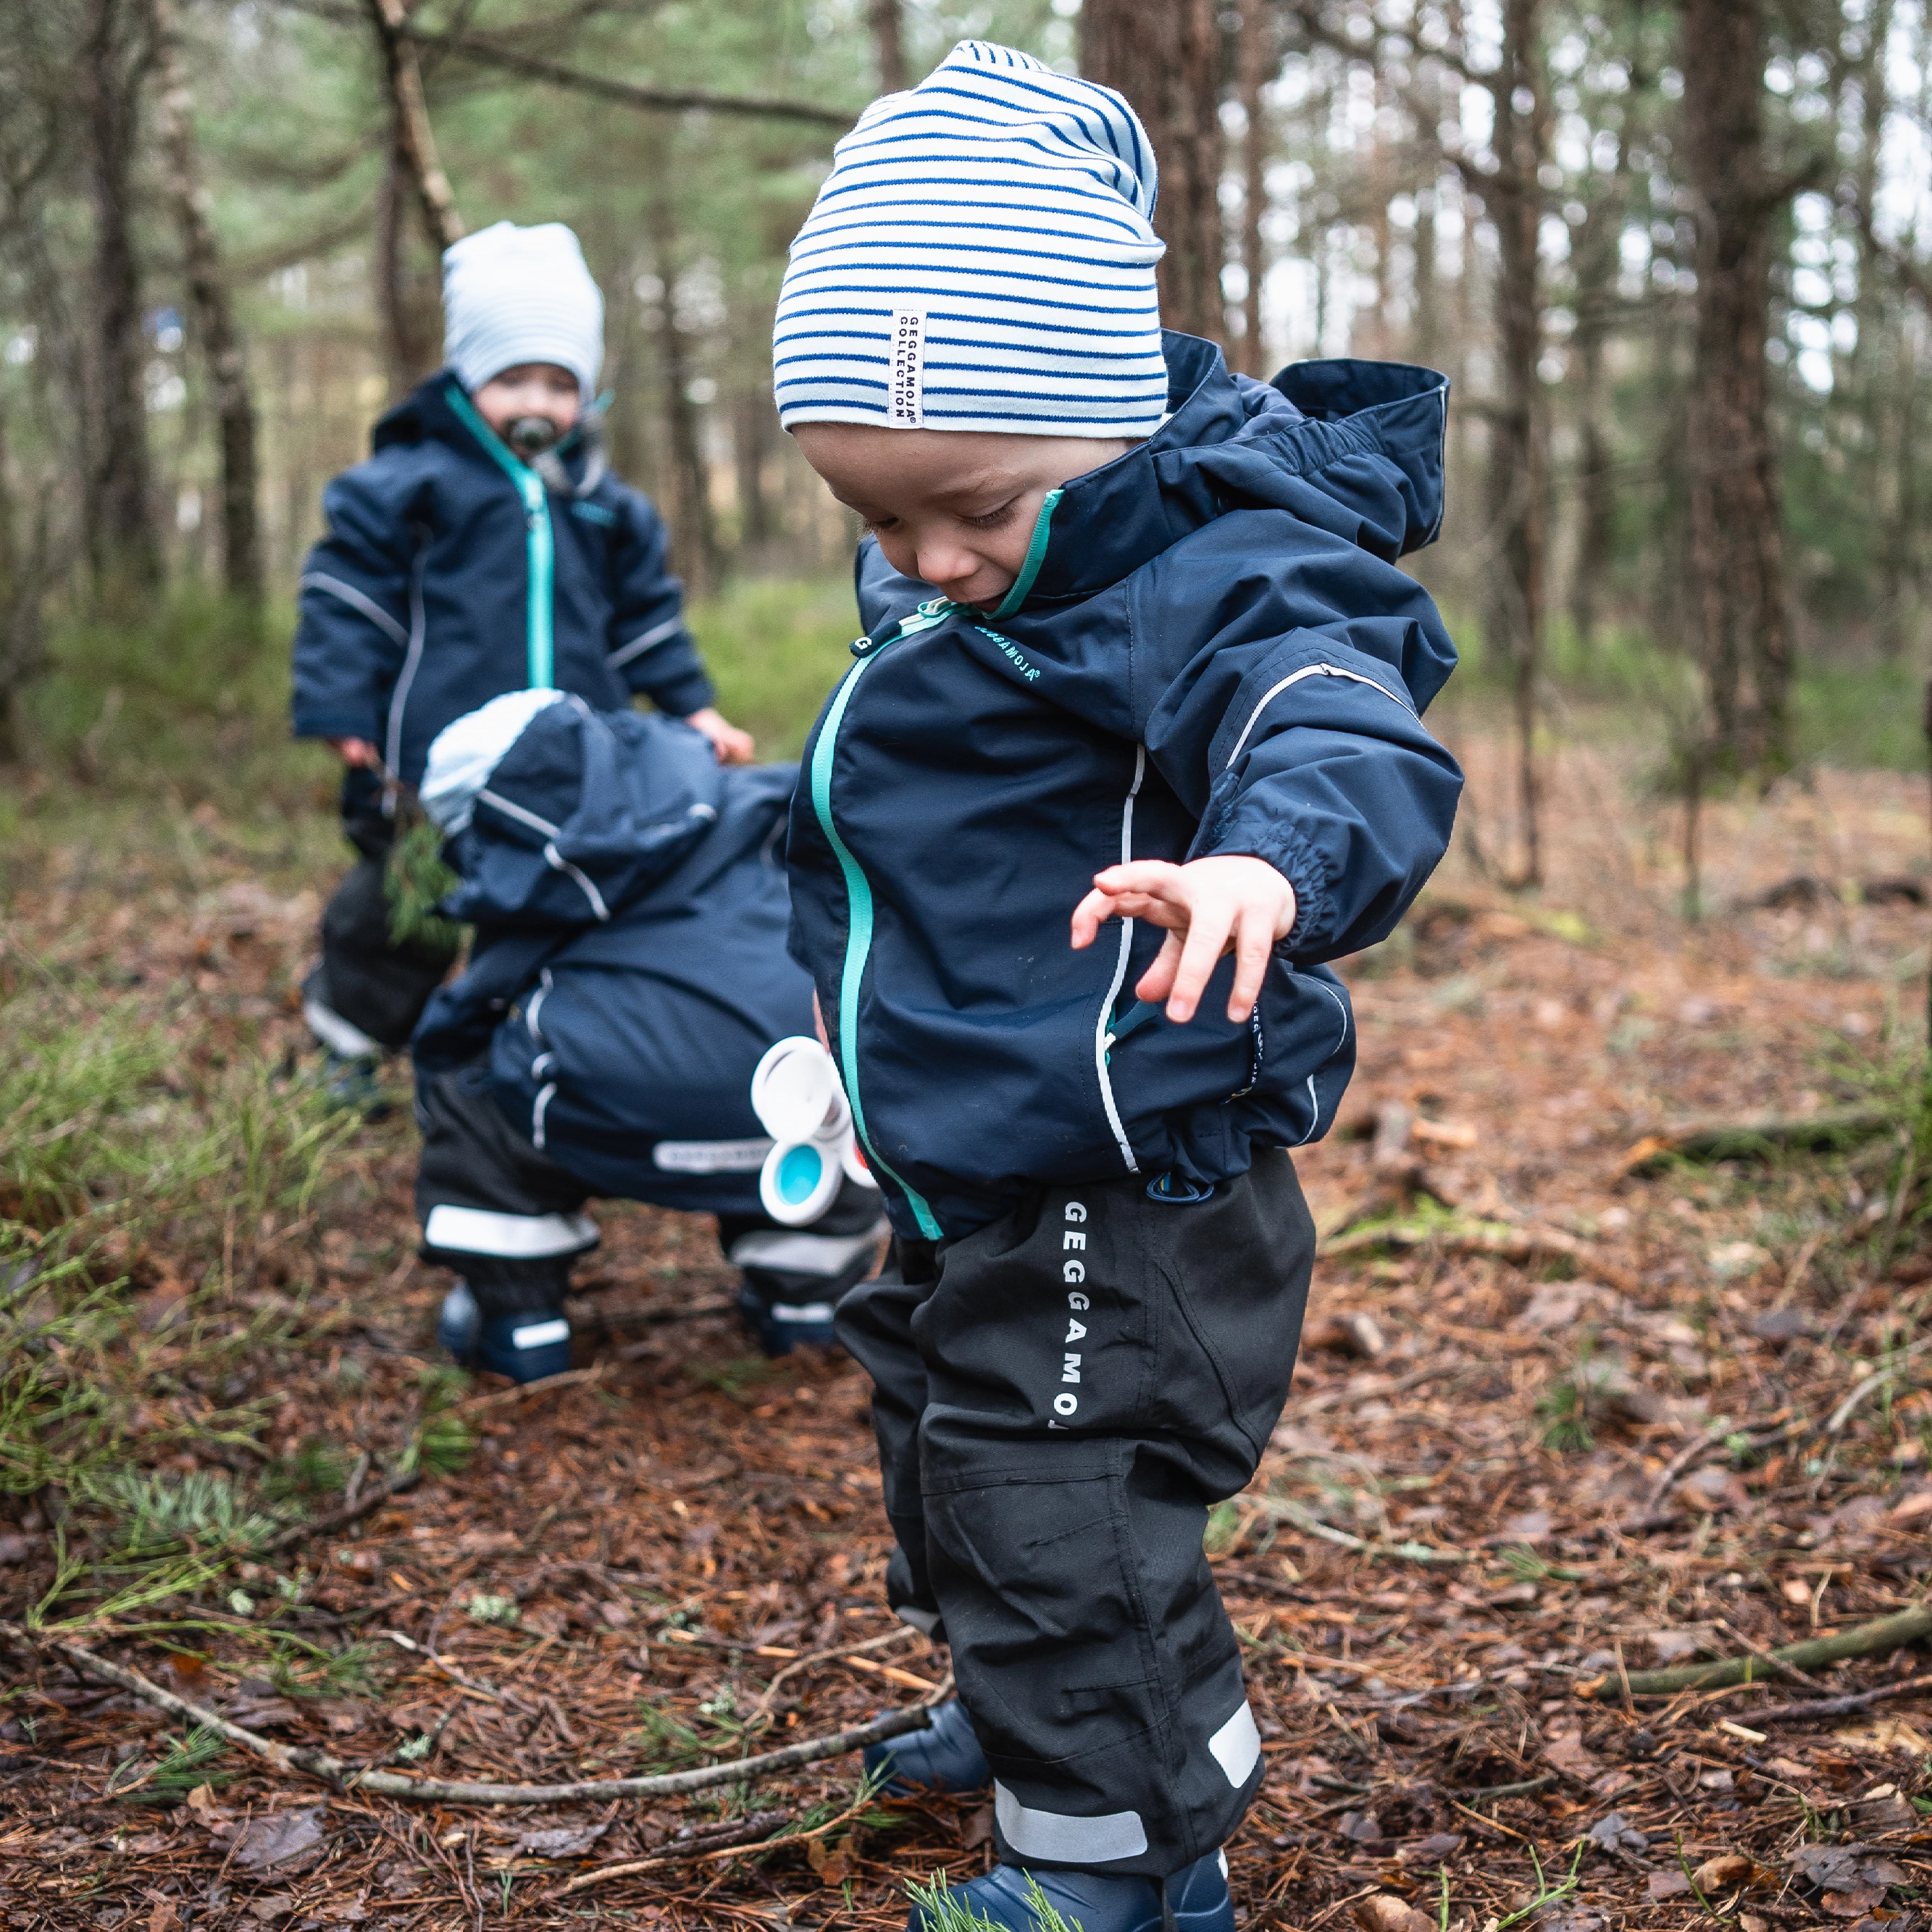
[{"x": 1168, "y": 1922}]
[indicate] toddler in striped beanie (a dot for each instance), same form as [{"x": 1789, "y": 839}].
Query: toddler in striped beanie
[
  {"x": 980, "y": 261},
  {"x": 1131, "y": 748}
]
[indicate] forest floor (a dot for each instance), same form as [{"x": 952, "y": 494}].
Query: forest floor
[{"x": 1562, "y": 1416}]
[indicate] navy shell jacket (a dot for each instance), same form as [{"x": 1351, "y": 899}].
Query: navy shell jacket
[
  {"x": 1209, "y": 649},
  {"x": 629, "y": 966},
  {"x": 451, "y": 575}
]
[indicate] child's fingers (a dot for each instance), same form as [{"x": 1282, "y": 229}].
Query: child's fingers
[
  {"x": 1207, "y": 939},
  {"x": 1254, "y": 939},
  {"x": 1089, "y": 915},
  {"x": 1154, "y": 985},
  {"x": 1156, "y": 876}
]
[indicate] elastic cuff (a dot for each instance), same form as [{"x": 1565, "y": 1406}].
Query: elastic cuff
[
  {"x": 1301, "y": 865},
  {"x": 681, "y": 698}
]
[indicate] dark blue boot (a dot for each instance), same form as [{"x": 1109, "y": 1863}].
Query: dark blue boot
[
  {"x": 1002, "y": 1901},
  {"x": 779, "y": 1326},
  {"x": 525, "y": 1347},
  {"x": 944, "y": 1757}
]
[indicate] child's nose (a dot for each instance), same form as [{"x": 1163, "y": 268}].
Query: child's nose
[{"x": 941, "y": 562}]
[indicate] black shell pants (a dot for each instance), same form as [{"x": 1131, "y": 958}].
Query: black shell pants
[{"x": 1060, "y": 1398}]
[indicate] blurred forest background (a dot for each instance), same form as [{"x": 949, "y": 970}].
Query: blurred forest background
[{"x": 1675, "y": 259}]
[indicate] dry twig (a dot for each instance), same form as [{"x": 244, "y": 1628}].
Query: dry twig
[
  {"x": 1878, "y": 1638},
  {"x": 331, "y": 1770}
]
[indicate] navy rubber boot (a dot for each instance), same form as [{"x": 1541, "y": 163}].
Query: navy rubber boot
[
  {"x": 779, "y": 1326},
  {"x": 459, "y": 1323},
  {"x": 1002, "y": 1901},
  {"x": 353, "y": 1082},
  {"x": 944, "y": 1757},
  {"x": 525, "y": 1347}
]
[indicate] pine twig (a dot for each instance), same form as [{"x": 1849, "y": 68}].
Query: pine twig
[
  {"x": 331, "y": 1770},
  {"x": 1820, "y": 1708}
]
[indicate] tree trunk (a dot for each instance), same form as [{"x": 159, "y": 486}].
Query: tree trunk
[
  {"x": 1595, "y": 256},
  {"x": 751, "y": 447},
  {"x": 1165, "y": 58},
  {"x": 414, "y": 140},
  {"x": 694, "y": 530},
  {"x": 1515, "y": 481},
  {"x": 23, "y": 586},
  {"x": 409, "y": 346},
  {"x": 123, "y": 541},
  {"x": 889, "y": 39},
  {"x": 1256, "y": 61},
  {"x": 214, "y": 313},
  {"x": 1736, "y": 604}
]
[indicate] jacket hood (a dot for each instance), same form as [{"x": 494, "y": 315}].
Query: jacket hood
[
  {"x": 1232, "y": 443},
  {"x": 585, "y": 811}
]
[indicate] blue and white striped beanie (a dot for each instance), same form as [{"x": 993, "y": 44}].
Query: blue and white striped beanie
[
  {"x": 513, "y": 294},
  {"x": 981, "y": 257}
]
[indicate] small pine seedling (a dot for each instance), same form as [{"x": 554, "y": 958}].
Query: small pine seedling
[{"x": 940, "y": 1910}]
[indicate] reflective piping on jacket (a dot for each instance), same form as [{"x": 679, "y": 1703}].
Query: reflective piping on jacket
[
  {"x": 1236, "y": 1746},
  {"x": 558, "y": 862},
  {"x": 1103, "y": 1038},
  {"x": 521, "y": 813},
  {"x": 537, "y": 1113},
  {"x": 1295, "y": 677},
  {"x": 399, "y": 699},
  {"x": 1053, "y": 1834},
  {"x": 515, "y": 1238},
  {"x": 796, "y": 1251},
  {"x": 318, "y": 580},
  {"x": 339, "y": 1035},
  {"x": 858, "y": 934},
  {"x": 530, "y": 1012},
  {"x": 1035, "y": 557},
  {"x": 539, "y": 542},
  {"x": 646, "y": 640},
  {"x": 1314, "y": 1098}
]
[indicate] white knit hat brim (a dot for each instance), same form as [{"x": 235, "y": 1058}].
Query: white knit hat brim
[
  {"x": 514, "y": 295},
  {"x": 981, "y": 257}
]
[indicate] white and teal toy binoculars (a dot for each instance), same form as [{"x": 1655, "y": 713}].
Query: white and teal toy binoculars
[{"x": 799, "y": 1102}]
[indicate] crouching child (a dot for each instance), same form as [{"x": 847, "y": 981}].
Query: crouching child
[
  {"x": 628, "y": 974},
  {"x": 484, "y": 547},
  {"x": 1131, "y": 748}
]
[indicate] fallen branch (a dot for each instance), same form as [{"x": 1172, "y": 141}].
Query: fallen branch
[
  {"x": 715, "y": 1848},
  {"x": 1306, "y": 1520},
  {"x": 1818, "y": 1707},
  {"x": 1504, "y": 1239},
  {"x": 1876, "y": 1639},
  {"x": 331, "y": 1770},
  {"x": 1754, "y": 1139},
  {"x": 1872, "y": 1383}
]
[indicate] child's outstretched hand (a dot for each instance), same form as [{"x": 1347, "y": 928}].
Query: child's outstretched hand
[
  {"x": 356, "y": 751},
  {"x": 733, "y": 747},
  {"x": 1231, "y": 904}
]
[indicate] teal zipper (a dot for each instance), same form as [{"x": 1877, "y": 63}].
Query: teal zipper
[
  {"x": 1036, "y": 556},
  {"x": 859, "y": 925},
  {"x": 539, "y": 545},
  {"x": 858, "y": 888}
]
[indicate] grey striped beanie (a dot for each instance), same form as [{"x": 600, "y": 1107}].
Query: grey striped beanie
[
  {"x": 981, "y": 257},
  {"x": 513, "y": 294}
]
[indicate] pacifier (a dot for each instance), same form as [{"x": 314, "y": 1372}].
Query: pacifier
[
  {"x": 799, "y": 1102},
  {"x": 531, "y": 435}
]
